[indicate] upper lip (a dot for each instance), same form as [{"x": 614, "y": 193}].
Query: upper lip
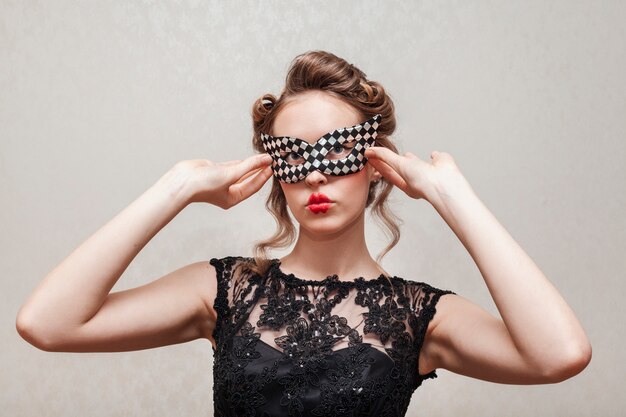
[{"x": 317, "y": 198}]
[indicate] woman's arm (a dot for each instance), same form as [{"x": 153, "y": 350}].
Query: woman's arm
[
  {"x": 75, "y": 290},
  {"x": 539, "y": 338},
  {"x": 72, "y": 310}
]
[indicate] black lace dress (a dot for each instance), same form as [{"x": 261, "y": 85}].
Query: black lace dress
[{"x": 293, "y": 347}]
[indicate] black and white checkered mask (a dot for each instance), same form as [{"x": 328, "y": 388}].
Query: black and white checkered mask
[{"x": 340, "y": 152}]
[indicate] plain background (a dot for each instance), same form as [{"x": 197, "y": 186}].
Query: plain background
[{"x": 99, "y": 99}]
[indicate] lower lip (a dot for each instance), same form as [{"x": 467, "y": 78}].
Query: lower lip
[{"x": 319, "y": 207}]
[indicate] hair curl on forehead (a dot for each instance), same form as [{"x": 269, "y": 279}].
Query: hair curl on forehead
[{"x": 324, "y": 71}]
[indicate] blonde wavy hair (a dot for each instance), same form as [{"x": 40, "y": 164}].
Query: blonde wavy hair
[{"x": 321, "y": 70}]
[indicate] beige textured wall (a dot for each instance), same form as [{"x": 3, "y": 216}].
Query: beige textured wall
[{"x": 98, "y": 99}]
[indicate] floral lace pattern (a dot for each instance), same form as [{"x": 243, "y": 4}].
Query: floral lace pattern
[{"x": 294, "y": 347}]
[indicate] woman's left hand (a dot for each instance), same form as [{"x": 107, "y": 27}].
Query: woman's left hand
[{"x": 417, "y": 178}]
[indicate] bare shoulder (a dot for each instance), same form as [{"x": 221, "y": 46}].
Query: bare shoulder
[
  {"x": 205, "y": 277},
  {"x": 455, "y": 315},
  {"x": 448, "y": 306},
  {"x": 206, "y": 284}
]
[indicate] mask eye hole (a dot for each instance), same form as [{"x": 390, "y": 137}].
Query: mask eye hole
[
  {"x": 339, "y": 151},
  {"x": 293, "y": 158},
  {"x": 336, "y": 152}
]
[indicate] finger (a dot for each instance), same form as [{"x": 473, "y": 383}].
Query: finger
[
  {"x": 245, "y": 189},
  {"x": 384, "y": 154},
  {"x": 415, "y": 159},
  {"x": 389, "y": 173},
  {"x": 254, "y": 162},
  {"x": 248, "y": 175},
  {"x": 233, "y": 162},
  {"x": 440, "y": 155}
]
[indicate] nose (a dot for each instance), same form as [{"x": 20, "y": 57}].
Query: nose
[{"x": 315, "y": 177}]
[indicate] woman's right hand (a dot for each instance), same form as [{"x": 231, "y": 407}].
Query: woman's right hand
[{"x": 223, "y": 184}]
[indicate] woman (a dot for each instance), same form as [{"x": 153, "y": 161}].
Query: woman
[{"x": 324, "y": 330}]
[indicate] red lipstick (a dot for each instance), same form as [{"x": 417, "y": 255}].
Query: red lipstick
[{"x": 318, "y": 202}]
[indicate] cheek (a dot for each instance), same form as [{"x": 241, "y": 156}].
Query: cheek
[
  {"x": 354, "y": 186},
  {"x": 291, "y": 193}
]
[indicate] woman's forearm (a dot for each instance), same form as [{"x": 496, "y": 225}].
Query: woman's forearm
[
  {"x": 74, "y": 290},
  {"x": 541, "y": 324}
]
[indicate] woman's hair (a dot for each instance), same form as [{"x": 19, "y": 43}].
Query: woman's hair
[{"x": 320, "y": 70}]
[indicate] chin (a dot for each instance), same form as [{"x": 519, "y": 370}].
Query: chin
[
  {"x": 325, "y": 223},
  {"x": 326, "y": 229}
]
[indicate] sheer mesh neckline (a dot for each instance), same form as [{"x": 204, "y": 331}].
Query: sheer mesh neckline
[
  {"x": 291, "y": 346},
  {"x": 331, "y": 279}
]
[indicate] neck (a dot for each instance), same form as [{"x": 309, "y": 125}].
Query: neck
[{"x": 344, "y": 253}]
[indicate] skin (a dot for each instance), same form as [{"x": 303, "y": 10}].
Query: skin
[{"x": 537, "y": 338}]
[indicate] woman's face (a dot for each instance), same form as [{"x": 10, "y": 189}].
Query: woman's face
[{"x": 309, "y": 116}]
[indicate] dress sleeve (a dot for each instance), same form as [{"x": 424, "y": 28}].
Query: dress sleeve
[
  {"x": 233, "y": 290},
  {"x": 423, "y": 299},
  {"x": 223, "y": 272}
]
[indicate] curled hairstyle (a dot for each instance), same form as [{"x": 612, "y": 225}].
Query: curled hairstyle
[{"x": 321, "y": 70}]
